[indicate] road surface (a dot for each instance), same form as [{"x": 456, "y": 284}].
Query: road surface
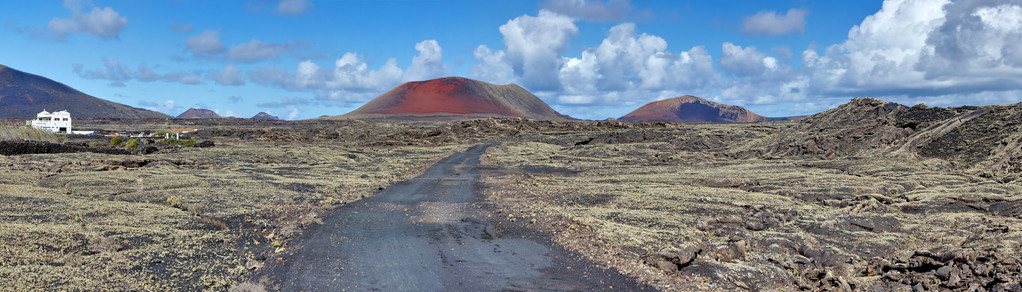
[{"x": 425, "y": 234}]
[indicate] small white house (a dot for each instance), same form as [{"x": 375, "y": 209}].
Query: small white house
[{"x": 57, "y": 122}]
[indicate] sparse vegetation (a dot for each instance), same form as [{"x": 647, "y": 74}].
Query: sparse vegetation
[
  {"x": 178, "y": 220},
  {"x": 182, "y": 143},
  {"x": 116, "y": 141},
  {"x": 682, "y": 207},
  {"x": 131, "y": 144},
  {"x": 28, "y": 133}
]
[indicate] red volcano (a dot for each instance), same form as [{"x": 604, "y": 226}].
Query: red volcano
[
  {"x": 456, "y": 97},
  {"x": 692, "y": 109}
]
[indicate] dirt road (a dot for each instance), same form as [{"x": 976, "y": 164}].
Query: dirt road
[{"x": 426, "y": 234}]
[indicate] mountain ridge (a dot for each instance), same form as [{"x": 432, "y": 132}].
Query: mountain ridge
[{"x": 23, "y": 95}]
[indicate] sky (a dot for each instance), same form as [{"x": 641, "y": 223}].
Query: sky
[{"x": 591, "y": 59}]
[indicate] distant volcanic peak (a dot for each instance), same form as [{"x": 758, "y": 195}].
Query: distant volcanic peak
[
  {"x": 454, "y": 98},
  {"x": 195, "y": 113},
  {"x": 265, "y": 116},
  {"x": 452, "y": 95},
  {"x": 692, "y": 109}
]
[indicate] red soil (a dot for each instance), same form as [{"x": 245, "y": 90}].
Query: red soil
[{"x": 445, "y": 95}]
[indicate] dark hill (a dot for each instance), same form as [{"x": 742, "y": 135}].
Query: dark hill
[
  {"x": 692, "y": 109},
  {"x": 265, "y": 116},
  {"x": 979, "y": 139},
  {"x": 456, "y": 98},
  {"x": 196, "y": 113},
  {"x": 23, "y": 95}
]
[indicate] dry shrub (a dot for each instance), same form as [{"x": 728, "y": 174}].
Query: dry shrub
[
  {"x": 174, "y": 201},
  {"x": 194, "y": 208},
  {"x": 73, "y": 259},
  {"x": 247, "y": 287},
  {"x": 216, "y": 222},
  {"x": 28, "y": 133},
  {"x": 103, "y": 243}
]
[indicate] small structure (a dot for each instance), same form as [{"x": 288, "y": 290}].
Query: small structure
[
  {"x": 178, "y": 132},
  {"x": 57, "y": 122}
]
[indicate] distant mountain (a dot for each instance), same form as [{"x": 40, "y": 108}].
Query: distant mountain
[
  {"x": 265, "y": 116},
  {"x": 23, "y": 95},
  {"x": 197, "y": 113},
  {"x": 456, "y": 98},
  {"x": 694, "y": 109}
]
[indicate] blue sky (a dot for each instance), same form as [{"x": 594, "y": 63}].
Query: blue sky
[{"x": 591, "y": 59}]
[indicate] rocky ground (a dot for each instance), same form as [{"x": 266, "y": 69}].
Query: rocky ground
[
  {"x": 868, "y": 196},
  {"x": 180, "y": 218}
]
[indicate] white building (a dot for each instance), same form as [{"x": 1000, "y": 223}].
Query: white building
[{"x": 57, "y": 122}]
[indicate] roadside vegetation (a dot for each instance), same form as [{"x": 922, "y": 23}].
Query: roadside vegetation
[
  {"x": 188, "y": 219},
  {"x": 28, "y": 133}
]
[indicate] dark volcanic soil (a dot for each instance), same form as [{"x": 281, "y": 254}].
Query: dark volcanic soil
[
  {"x": 36, "y": 147},
  {"x": 426, "y": 235}
]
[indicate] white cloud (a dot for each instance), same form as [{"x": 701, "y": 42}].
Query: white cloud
[
  {"x": 744, "y": 62},
  {"x": 491, "y": 66},
  {"x": 116, "y": 72},
  {"x": 593, "y": 10},
  {"x": 256, "y": 51},
  {"x": 627, "y": 68},
  {"x": 533, "y": 47},
  {"x": 429, "y": 64},
  {"x": 938, "y": 52},
  {"x": 293, "y": 6},
  {"x": 769, "y": 23},
  {"x": 350, "y": 79},
  {"x": 167, "y": 106},
  {"x": 206, "y": 44},
  {"x": 230, "y": 76},
  {"x": 102, "y": 22},
  {"x": 292, "y": 112}
]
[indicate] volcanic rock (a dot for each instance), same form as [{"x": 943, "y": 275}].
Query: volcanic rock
[
  {"x": 692, "y": 109},
  {"x": 195, "y": 113},
  {"x": 456, "y": 98},
  {"x": 23, "y": 95},
  {"x": 265, "y": 116}
]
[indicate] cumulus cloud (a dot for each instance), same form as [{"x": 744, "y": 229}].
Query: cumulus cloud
[
  {"x": 102, "y": 22},
  {"x": 769, "y": 23},
  {"x": 592, "y": 10},
  {"x": 911, "y": 51},
  {"x": 627, "y": 68},
  {"x": 293, "y": 6},
  {"x": 206, "y": 44},
  {"x": 491, "y": 66},
  {"x": 230, "y": 76},
  {"x": 116, "y": 72},
  {"x": 533, "y": 46},
  {"x": 745, "y": 62},
  {"x": 350, "y": 79},
  {"x": 428, "y": 64}
]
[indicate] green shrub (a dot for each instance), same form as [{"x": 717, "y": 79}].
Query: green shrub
[
  {"x": 116, "y": 141},
  {"x": 132, "y": 144},
  {"x": 182, "y": 143}
]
